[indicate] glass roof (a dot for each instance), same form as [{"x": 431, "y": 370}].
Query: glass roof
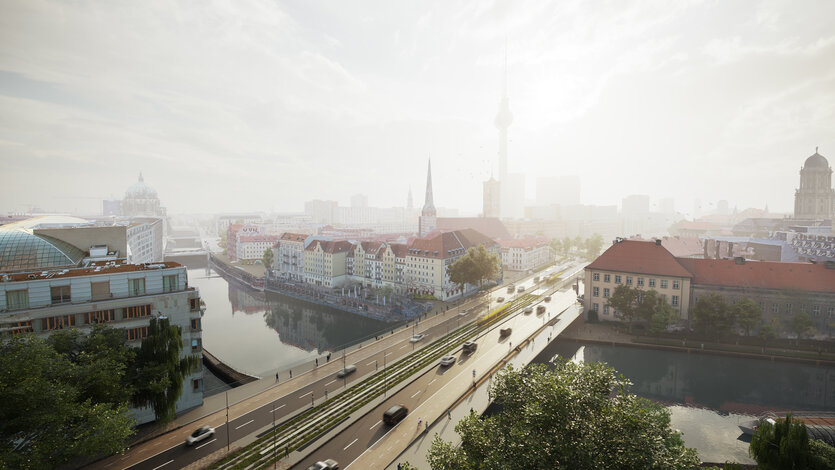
[{"x": 20, "y": 249}]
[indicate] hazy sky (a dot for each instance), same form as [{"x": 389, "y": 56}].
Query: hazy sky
[{"x": 258, "y": 105}]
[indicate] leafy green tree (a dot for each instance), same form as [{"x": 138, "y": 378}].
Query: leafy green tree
[
  {"x": 768, "y": 332},
  {"x": 625, "y": 301},
  {"x": 475, "y": 266},
  {"x": 575, "y": 416},
  {"x": 822, "y": 453},
  {"x": 487, "y": 264},
  {"x": 463, "y": 271},
  {"x": 782, "y": 445},
  {"x": 802, "y": 324},
  {"x": 661, "y": 317},
  {"x": 159, "y": 370},
  {"x": 748, "y": 314},
  {"x": 566, "y": 246},
  {"x": 710, "y": 315},
  {"x": 47, "y": 418},
  {"x": 268, "y": 258},
  {"x": 593, "y": 246}
]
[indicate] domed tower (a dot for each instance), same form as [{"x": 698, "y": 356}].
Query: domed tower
[
  {"x": 141, "y": 200},
  {"x": 815, "y": 199}
]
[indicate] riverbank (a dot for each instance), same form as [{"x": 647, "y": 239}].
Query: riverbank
[{"x": 601, "y": 333}]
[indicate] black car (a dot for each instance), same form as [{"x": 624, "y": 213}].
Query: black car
[{"x": 395, "y": 414}]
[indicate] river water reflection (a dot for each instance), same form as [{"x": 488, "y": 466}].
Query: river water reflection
[{"x": 259, "y": 333}]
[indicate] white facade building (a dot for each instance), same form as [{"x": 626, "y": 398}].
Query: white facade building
[{"x": 526, "y": 253}]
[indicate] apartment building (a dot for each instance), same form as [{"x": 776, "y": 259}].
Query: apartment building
[
  {"x": 325, "y": 263},
  {"x": 525, "y": 253},
  {"x": 288, "y": 259}
]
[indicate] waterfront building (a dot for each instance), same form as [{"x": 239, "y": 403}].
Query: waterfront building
[
  {"x": 428, "y": 220},
  {"x": 526, "y": 253},
  {"x": 780, "y": 288},
  {"x": 325, "y": 263},
  {"x": 815, "y": 198},
  {"x": 225, "y": 220},
  {"x": 252, "y": 247},
  {"x": 289, "y": 258},
  {"x": 377, "y": 264},
  {"x": 141, "y": 200},
  {"x": 49, "y": 284}
]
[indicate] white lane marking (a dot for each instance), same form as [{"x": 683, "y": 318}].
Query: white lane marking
[
  {"x": 375, "y": 425},
  {"x": 278, "y": 408},
  {"x": 372, "y": 362},
  {"x": 352, "y": 443},
  {"x": 401, "y": 347},
  {"x": 166, "y": 463},
  {"x": 239, "y": 427},
  {"x": 386, "y": 354},
  {"x": 430, "y": 383},
  {"x": 306, "y": 394},
  {"x": 415, "y": 394},
  {"x": 203, "y": 445},
  {"x": 332, "y": 381}
]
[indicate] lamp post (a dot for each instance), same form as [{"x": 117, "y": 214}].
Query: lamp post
[{"x": 227, "y": 421}]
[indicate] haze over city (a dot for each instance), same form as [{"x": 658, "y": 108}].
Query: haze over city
[{"x": 260, "y": 105}]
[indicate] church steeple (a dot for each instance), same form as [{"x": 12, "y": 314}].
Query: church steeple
[{"x": 429, "y": 204}]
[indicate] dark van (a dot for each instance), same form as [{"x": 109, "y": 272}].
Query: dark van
[
  {"x": 469, "y": 347},
  {"x": 395, "y": 414}
]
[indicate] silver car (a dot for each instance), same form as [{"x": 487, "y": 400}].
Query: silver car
[
  {"x": 417, "y": 338},
  {"x": 199, "y": 435},
  {"x": 447, "y": 361},
  {"x": 329, "y": 464}
]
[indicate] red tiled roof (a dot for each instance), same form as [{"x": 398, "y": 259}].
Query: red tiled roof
[
  {"x": 639, "y": 257},
  {"x": 400, "y": 249},
  {"x": 295, "y": 237},
  {"x": 330, "y": 247},
  {"x": 440, "y": 245},
  {"x": 257, "y": 238},
  {"x": 489, "y": 226},
  {"x": 761, "y": 274},
  {"x": 683, "y": 247}
]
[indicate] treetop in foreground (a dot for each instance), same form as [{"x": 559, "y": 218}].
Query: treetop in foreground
[{"x": 576, "y": 416}]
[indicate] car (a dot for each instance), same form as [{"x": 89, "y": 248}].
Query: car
[
  {"x": 521, "y": 289},
  {"x": 511, "y": 289},
  {"x": 447, "y": 361},
  {"x": 462, "y": 313},
  {"x": 395, "y": 414},
  {"x": 348, "y": 370},
  {"x": 547, "y": 298},
  {"x": 500, "y": 299},
  {"x": 540, "y": 309},
  {"x": 505, "y": 332},
  {"x": 417, "y": 338},
  {"x": 536, "y": 279},
  {"x": 329, "y": 464},
  {"x": 528, "y": 310},
  {"x": 200, "y": 434},
  {"x": 469, "y": 347}
]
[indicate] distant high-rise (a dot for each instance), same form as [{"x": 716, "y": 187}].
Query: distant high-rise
[
  {"x": 359, "y": 200},
  {"x": 409, "y": 202},
  {"x": 492, "y": 201},
  {"x": 815, "y": 199},
  {"x": 428, "y": 220},
  {"x": 511, "y": 186},
  {"x": 562, "y": 190}
]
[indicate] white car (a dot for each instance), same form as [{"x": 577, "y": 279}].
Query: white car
[
  {"x": 199, "y": 435},
  {"x": 417, "y": 338},
  {"x": 329, "y": 464},
  {"x": 447, "y": 361},
  {"x": 462, "y": 313}
]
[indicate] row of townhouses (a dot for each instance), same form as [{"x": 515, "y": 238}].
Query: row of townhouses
[
  {"x": 781, "y": 289},
  {"x": 418, "y": 266},
  {"x": 49, "y": 283}
]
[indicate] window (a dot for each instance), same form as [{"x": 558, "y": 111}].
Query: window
[
  {"x": 21, "y": 327},
  {"x": 816, "y": 310},
  {"x": 17, "y": 299},
  {"x": 60, "y": 294},
  {"x": 169, "y": 283},
  {"x": 196, "y": 385},
  {"x": 628, "y": 280},
  {"x": 788, "y": 309},
  {"x": 605, "y": 310},
  {"x": 663, "y": 283},
  {"x": 136, "y": 286},
  {"x": 640, "y": 282},
  {"x": 607, "y": 278},
  {"x": 830, "y": 312},
  {"x": 675, "y": 285},
  {"x": 136, "y": 334},
  {"x": 137, "y": 311},
  {"x": 675, "y": 301},
  {"x": 595, "y": 276},
  {"x": 195, "y": 324},
  {"x": 595, "y": 292},
  {"x": 100, "y": 290},
  {"x": 606, "y": 293},
  {"x": 101, "y": 316},
  {"x": 194, "y": 304},
  {"x": 196, "y": 345},
  {"x": 617, "y": 279},
  {"x": 594, "y": 307},
  {"x": 775, "y": 308},
  {"x": 652, "y": 282},
  {"x": 57, "y": 323}
]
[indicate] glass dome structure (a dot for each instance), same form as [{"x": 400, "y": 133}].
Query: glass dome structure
[{"x": 21, "y": 250}]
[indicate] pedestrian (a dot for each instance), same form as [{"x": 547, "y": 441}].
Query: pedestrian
[
  {"x": 317, "y": 362},
  {"x": 427, "y": 425},
  {"x": 291, "y": 373},
  {"x": 419, "y": 421},
  {"x": 448, "y": 413},
  {"x": 276, "y": 376}
]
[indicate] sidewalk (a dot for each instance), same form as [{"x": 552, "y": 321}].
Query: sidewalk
[{"x": 410, "y": 444}]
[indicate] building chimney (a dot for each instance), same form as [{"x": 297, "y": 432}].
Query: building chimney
[
  {"x": 739, "y": 260},
  {"x": 657, "y": 242}
]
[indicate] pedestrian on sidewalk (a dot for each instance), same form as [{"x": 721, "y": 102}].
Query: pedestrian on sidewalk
[
  {"x": 419, "y": 421},
  {"x": 317, "y": 362},
  {"x": 427, "y": 425},
  {"x": 276, "y": 376}
]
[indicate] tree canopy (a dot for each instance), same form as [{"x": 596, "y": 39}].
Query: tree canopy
[
  {"x": 624, "y": 300},
  {"x": 748, "y": 314},
  {"x": 711, "y": 315},
  {"x": 786, "y": 444},
  {"x": 575, "y": 416},
  {"x": 268, "y": 258},
  {"x": 475, "y": 266}
]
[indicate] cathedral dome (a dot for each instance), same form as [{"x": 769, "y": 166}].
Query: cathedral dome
[
  {"x": 140, "y": 190},
  {"x": 816, "y": 161}
]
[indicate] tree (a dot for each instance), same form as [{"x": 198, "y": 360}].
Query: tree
[
  {"x": 47, "y": 417},
  {"x": 475, "y": 266},
  {"x": 661, "y": 317},
  {"x": 268, "y": 258},
  {"x": 463, "y": 271},
  {"x": 801, "y": 324},
  {"x": 159, "y": 370},
  {"x": 748, "y": 314},
  {"x": 784, "y": 444},
  {"x": 625, "y": 301},
  {"x": 768, "y": 332},
  {"x": 710, "y": 315},
  {"x": 575, "y": 416},
  {"x": 593, "y": 246}
]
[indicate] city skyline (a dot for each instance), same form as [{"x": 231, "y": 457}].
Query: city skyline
[{"x": 263, "y": 106}]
